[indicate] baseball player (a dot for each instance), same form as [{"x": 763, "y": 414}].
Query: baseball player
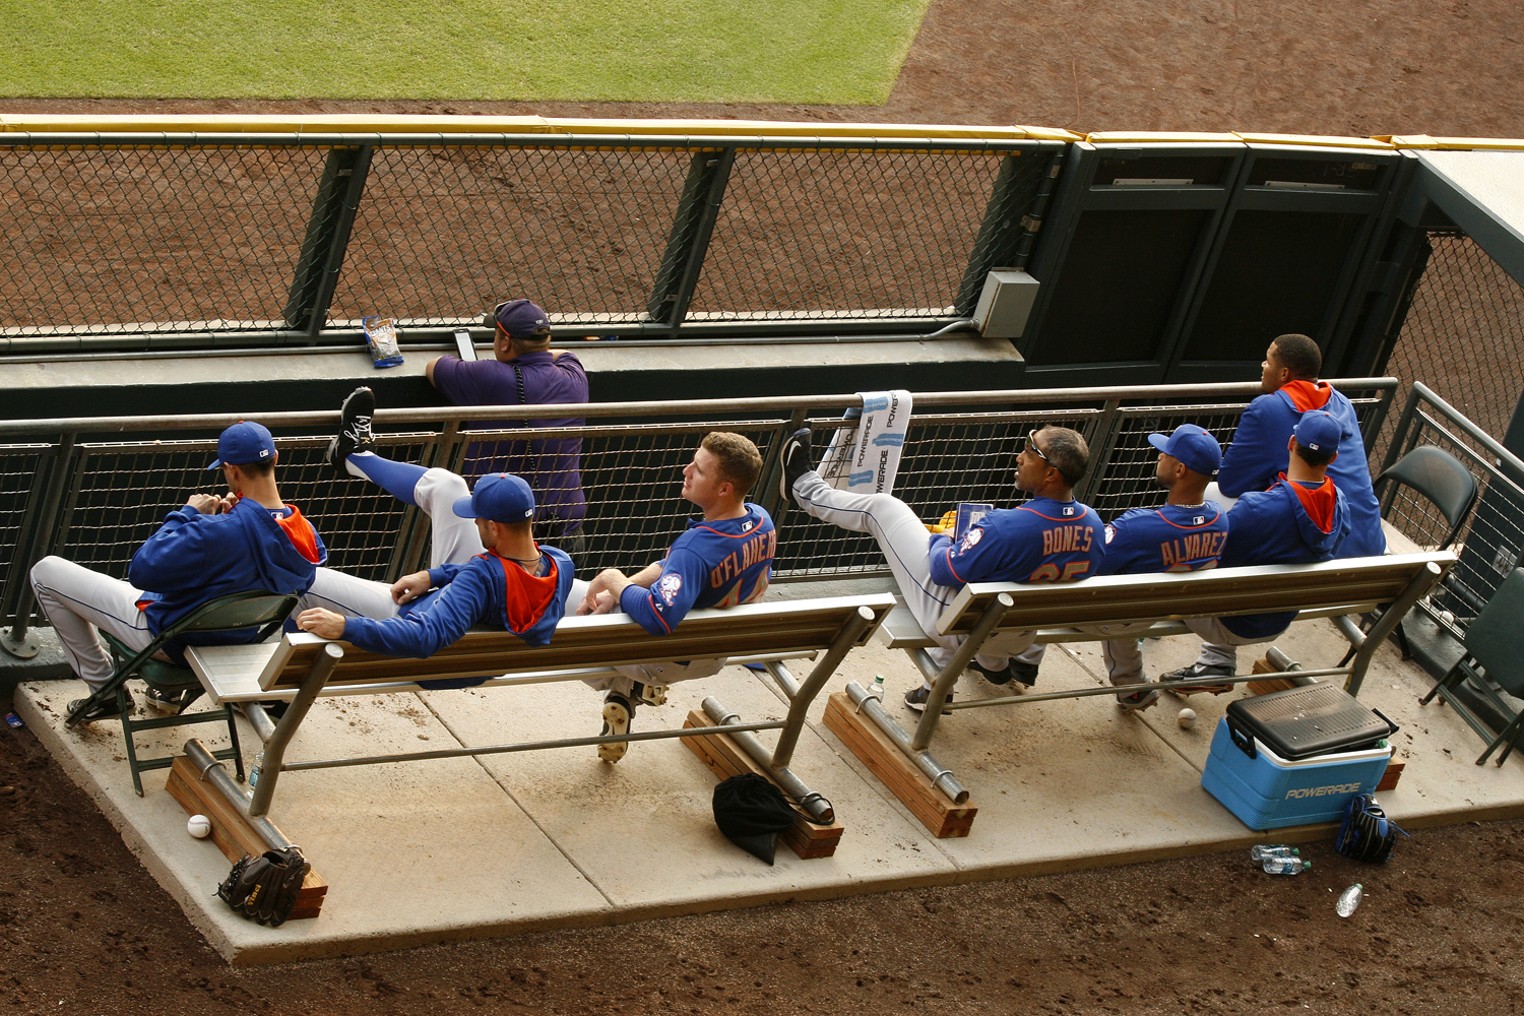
[
  {"x": 1258, "y": 452},
  {"x": 722, "y": 559},
  {"x": 245, "y": 540},
  {"x": 1187, "y": 533},
  {"x": 1051, "y": 538},
  {"x": 1303, "y": 517},
  {"x": 486, "y": 569}
]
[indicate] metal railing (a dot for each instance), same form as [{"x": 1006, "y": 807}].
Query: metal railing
[{"x": 92, "y": 490}]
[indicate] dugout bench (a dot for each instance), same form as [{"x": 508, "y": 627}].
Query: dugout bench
[
  {"x": 302, "y": 667},
  {"x": 1151, "y": 606}
]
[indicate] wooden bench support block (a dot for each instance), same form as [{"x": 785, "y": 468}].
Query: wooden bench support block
[
  {"x": 896, "y": 771},
  {"x": 1264, "y": 666},
  {"x": 1391, "y": 776},
  {"x": 725, "y": 759},
  {"x": 232, "y": 832}
]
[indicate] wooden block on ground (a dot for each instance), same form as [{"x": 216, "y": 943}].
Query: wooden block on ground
[
  {"x": 1391, "y": 776},
  {"x": 896, "y": 771},
  {"x": 1264, "y": 666},
  {"x": 725, "y": 759},
  {"x": 231, "y": 832}
]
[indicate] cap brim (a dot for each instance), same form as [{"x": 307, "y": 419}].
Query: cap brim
[
  {"x": 217, "y": 464},
  {"x": 1159, "y": 441},
  {"x": 462, "y": 507}
]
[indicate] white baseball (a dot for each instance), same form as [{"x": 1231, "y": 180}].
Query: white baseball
[
  {"x": 1447, "y": 617},
  {"x": 1187, "y": 718},
  {"x": 199, "y": 826}
]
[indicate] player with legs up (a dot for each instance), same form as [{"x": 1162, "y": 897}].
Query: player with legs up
[
  {"x": 1050, "y": 538},
  {"x": 485, "y": 567},
  {"x": 722, "y": 559}
]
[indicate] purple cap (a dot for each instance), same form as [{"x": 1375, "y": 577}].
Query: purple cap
[
  {"x": 498, "y": 497},
  {"x": 242, "y": 443},
  {"x": 1193, "y": 446},
  {"x": 523, "y": 319},
  {"x": 1319, "y": 431}
]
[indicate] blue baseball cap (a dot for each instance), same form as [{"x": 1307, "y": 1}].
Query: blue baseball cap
[
  {"x": 500, "y": 497},
  {"x": 1193, "y": 446},
  {"x": 523, "y": 319},
  {"x": 242, "y": 443},
  {"x": 1318, "y": 431}
]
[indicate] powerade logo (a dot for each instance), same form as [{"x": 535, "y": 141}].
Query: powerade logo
[{"x": 1333, "y": 788}]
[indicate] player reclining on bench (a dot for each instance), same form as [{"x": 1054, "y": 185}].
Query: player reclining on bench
[
  {"x": 1051, "y": 538},
  {"x": 722, "y": 559},
  {"x": 515, "y": 585},
  {"x": 247, "y": 540},
  {"x": 1302, "y": 518}
]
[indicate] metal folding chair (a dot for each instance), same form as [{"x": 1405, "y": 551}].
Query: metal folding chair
[
  {"x": 234, "y": 612},
  {"x": 1493, "y": 666}
]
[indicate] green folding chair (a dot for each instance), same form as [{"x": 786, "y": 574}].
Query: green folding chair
[
  {"x": 234, "y": 612},
  {"x": 1493, "y": 664}
]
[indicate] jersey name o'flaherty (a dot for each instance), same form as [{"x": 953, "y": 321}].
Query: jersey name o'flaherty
[{"x": 712, "y": 564}]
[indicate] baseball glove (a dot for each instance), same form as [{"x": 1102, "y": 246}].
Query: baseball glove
[
  {"x": 264, "y": 888},
  {"x": 1366, "y": 834}
]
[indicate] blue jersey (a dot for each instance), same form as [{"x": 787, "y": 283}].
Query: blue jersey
[
  {"x": 1291, "y": 523},
  {"x": 486, "y": 591},
  {"x": 713, "y": 564},
  {"x": 1171, "y": 538},
  {"x": 1042, "y": 541},
  {"x": 1258, "y": 453}
]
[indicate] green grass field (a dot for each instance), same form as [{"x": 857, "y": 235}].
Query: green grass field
[{"x": 780, "y": 51}]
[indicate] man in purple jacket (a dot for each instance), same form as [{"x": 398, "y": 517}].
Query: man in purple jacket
[{"x": 526, "y": 371}]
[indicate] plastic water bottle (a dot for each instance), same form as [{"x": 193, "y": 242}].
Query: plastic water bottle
[
  {"x": 1349, "y": 899},
  {"x": 1260, "y": 851},
  {"x": 876, "y": 689},
  {"x": 259, "y": 760},
  {"x": 1286, "y": 865}
]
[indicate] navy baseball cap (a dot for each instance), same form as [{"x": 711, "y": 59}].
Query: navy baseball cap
[
  {"x": 523, "y": 319},
  {"x": 1193, "y": 446},
  {"x": 242, "y": 443},
  {"x": 499, "y": 497},
  {"x": 1319, "y": 431}
]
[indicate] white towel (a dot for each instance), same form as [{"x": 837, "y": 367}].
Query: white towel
[{"x": 864, "y": 457}]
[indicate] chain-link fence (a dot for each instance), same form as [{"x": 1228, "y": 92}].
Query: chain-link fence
[
  {"x": 81, "y": 490},
  {"x": 107, "y": 242}
]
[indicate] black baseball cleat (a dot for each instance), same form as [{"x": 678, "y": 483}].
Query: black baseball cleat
[
  {"x": 355, "y": 433},
  {"x": 796, "y": 462},
  {"x": 618, "y": 711},
  {"x": 1200, "y": 672},
  {"x": 107, "y": 710}
]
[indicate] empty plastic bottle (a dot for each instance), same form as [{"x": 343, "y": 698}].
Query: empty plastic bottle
[
  {"x": 259, "y": 761},
  {"x": 876, "y": 688},
  {"x": 1260, "y": 851},
  {"x": 1349, "y": 899},
  {"x": 1286, "y": 865}
]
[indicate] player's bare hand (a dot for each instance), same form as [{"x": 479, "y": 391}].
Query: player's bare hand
[
  {"x": 323, "y": 623},
  {"x": 410, "y": 587},
  {"x": 206, "y": 504}
]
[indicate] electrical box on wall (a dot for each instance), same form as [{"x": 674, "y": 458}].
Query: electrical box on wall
[{"x": 1005, "y": 303}]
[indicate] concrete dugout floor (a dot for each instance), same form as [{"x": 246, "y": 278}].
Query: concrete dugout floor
[{"x": 526, "y": 841}]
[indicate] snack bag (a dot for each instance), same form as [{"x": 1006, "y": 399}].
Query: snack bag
[{"x": 381, "y": 336}]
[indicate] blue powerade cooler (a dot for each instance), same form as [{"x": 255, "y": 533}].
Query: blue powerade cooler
[{"x": 1296, "y": 757}]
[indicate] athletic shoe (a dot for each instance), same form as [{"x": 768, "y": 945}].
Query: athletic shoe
[
  {"x": 172, "y": 703},
  {"x": 354, "y": 429},
  {"x": 1138, "y": 700},
  {"x": 1024, "y": 674},
  {"x": 916, "y": 698},
  {"x": 618, "y": 711},
  {"x": 106, "y": 710},
  {"x": 1198, "y": 672},
  {"x": 648, "y": 694},
  {"x": 796, "y": 462}
]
